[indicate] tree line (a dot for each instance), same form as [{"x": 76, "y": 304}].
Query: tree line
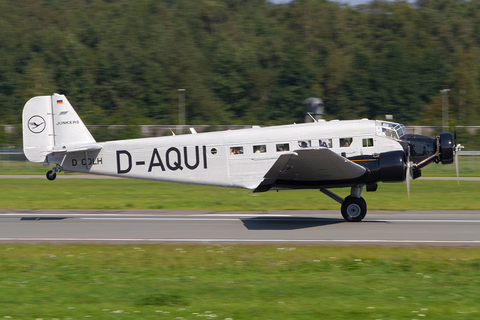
[{"x": 242, "y": 61}]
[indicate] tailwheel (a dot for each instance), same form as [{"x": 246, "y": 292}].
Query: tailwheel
[
  {"x": 51, "y": 175},
  {"x": 354, "y": 209}
]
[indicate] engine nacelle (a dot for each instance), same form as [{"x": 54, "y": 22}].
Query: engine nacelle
[
  {"x": 446, "y": 148},
  {"x": 421, "y": 147},
  {"x": 392, "y": 166}
]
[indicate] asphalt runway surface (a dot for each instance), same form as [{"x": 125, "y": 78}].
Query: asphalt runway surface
[{"x": 384, "y": 228}]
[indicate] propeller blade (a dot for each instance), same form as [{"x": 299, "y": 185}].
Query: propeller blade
[
  {"x": 457, "y": 147},
  {"x": 455, "y": 137},
  {"x": 456, "y": 165},
  {"x": 409, "y": 171},
  {"x": 409, "y": 175}
]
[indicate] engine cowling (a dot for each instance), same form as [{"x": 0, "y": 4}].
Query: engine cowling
[
  {"x": 424, "y": 150},
  {"x": 421, "y": 147},
  {"x": 446, "y": 148},
  {"x": 392, "y": 166}
]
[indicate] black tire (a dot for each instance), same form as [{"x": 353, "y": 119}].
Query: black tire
[
  {"x": 51, "y": 175},
  {"x": 354, "y": 209}
]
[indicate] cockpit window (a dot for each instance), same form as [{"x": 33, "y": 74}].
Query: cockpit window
[
  {"x": 390, "y": 133},
  {"x": 390, "y": 129}
]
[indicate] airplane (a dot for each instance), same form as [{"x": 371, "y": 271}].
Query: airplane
[{"x": 319, "y": 155}]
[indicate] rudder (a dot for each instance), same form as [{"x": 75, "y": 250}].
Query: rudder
[{"x": 37, "y": 121}]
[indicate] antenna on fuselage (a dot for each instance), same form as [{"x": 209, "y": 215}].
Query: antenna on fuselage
[
  {"x": 313, "y": 109},
  {"x": 314, "y": 120}
]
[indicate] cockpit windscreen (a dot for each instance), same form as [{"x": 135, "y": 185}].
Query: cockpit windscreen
[{"x": 391, "y": 129}]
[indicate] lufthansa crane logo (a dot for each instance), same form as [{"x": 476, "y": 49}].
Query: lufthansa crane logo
[{"x": 36, "y": 124}]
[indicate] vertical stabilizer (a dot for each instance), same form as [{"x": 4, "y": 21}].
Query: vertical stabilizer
[
  {"x": 68, "y": 128},
  {"x": 51, "y": 124}
]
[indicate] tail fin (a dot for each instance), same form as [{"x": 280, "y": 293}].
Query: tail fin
[{"x": 50, "y": 123}]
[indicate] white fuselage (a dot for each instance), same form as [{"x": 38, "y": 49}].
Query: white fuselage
[{"x": 237, "y": 158}]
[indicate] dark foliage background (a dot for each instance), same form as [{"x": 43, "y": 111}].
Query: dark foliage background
[{"x": 241, "y": 61}]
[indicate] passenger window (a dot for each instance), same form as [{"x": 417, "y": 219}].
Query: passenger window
[
  {"x": 305, "y": 143},
  {"x": 345, "y": 142},
  {"x": 367, "y": 142},
  {"x": 260, "y": 149},
  {"x": 236, "y": 150},
  {"x": 326, "y": 143},
  {"x": 283, "y": 147}
]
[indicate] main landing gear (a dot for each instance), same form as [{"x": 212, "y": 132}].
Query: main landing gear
[
  {"x": 52, "y": 174},
  {"x": 354, "y": 207}
]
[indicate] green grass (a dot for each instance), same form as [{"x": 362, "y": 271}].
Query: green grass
[
  {"x": 23, "y": 167},
  {"x": 139, "y": 194},
  {"x": 233, "y": 282},
  {"x": 469, "y": 166},
  {"x": 237, "y": 282}
]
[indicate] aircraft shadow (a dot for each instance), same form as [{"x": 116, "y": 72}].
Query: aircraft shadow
[{"x": 287, "y": 223}]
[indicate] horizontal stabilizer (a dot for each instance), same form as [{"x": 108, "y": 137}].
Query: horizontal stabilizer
[{"x": 78, "y": 149}]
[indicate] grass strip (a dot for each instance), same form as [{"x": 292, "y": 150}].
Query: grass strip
[
  {"x": 140, "y": 194},
  {"x": 237, "y": 282}
]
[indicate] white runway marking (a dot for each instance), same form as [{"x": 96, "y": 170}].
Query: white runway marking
[{"x": 441, "y": 221}]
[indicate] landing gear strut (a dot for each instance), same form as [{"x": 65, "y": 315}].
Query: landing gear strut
[
  {"x": 354, "y": 207},
  {"x": 52, "y": 174}
]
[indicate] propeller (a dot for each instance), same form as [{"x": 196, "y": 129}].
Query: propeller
[
  {"x": 409, "y": 170},
  {"x": 457, "y": 148}
]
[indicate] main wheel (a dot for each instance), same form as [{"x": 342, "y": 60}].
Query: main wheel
[
  {"x": 51, "y": 175},
  {"x": 354, "y": 209}
]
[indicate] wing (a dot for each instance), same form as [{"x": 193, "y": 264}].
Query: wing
[{"x": 312, "y": 168}]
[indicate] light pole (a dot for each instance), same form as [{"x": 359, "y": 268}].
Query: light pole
[
  {"x": 181, "y": 110},
  {"x": 445, "y": 108}
]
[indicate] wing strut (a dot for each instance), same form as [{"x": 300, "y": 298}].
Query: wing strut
[{"x": 332, "y": 195}]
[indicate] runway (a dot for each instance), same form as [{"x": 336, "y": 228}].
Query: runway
[{"x": 385, "y": 228}]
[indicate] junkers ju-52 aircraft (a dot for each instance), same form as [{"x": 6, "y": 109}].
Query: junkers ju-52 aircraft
[{"x": 319, "y": 155}]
